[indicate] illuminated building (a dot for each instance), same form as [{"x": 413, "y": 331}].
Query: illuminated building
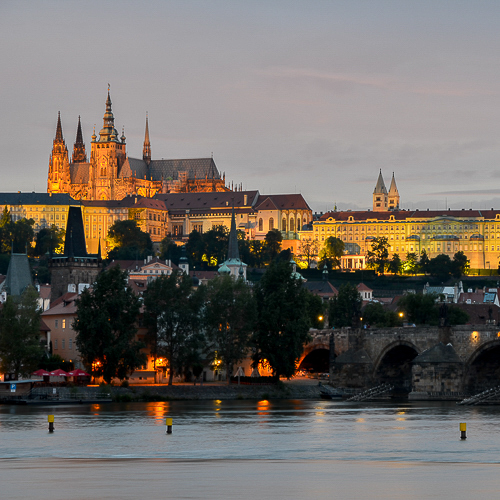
[
  {"x": 110, "y": 174},
  {"x": 474, "y": 232}
]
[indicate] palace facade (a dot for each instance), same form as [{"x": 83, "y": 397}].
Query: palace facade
[
  {"x": 110, "y": 174},
  {"x": 474, "y": 232}
]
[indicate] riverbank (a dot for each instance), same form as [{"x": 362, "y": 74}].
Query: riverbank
[{"x": 283, "y": 390}]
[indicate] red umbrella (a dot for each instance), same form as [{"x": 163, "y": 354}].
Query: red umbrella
[
  {"x": 41, "y": 373},
  {"x": 58, "y": 373},
  {"x": 78, "y": 373}
]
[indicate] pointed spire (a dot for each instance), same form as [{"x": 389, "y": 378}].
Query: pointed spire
[
  {"x": 393, "y": 189},
  {"x": 59, "y": 134},
  {"x": 146, "y": 150},
  {"x": 79, "y": 155},
  {"x": 108, "y": 132},
  {"x": 99, "y": 254},
  {"x": 233, "y": 252},
  {"x": 380, "y": 186}
]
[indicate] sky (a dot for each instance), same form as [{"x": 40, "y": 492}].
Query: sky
[{"x": 289, "y": 96}]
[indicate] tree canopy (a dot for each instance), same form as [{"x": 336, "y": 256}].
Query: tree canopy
[
  {"x": 173, "y": 317},
  {"x": 331, "y": 253},
  {"x": 106, "y": 326},
  {"x": 229, "y": 316},
  {"x": 126, "y": 240},
  {"x": 345, "y": 307},
  {"x": 20, "y": 349},
  {"x": 378, "y": 256},
  {"x": 282, "y": 319}
]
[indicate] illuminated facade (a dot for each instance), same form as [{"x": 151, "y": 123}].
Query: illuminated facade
[
  {"x": 46, "y": 210},
  {"x": 110, "y": 174},
  {"x": 474, "y": 232}
]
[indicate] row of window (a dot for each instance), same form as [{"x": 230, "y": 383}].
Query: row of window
[{"x": 63, "y": 344}]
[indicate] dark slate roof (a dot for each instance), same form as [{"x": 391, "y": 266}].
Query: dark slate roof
[
  {"x": 479, "y": 314},
  {"x": 282, "y": 202},
  {"x": 36, "y": 199},
  {"x": 352, "y": 356},
  {"x": 320, "y": 288},
  {"x": 209, "y": 200},
  {"x": 18, "y": 274},
  {"x": 197, "y": 168},
  {"x": 127, "y": 202},
  {"x": 440, "y": 353},
  {"x": 74, "y": 244}
]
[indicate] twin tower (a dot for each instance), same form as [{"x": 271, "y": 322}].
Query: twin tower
[{"x": 383, "y": 200}]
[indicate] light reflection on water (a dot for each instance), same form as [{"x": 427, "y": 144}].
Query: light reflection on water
[{"x": 272, "y": 430}]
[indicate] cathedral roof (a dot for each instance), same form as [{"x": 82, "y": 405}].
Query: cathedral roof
[
  {"x": 79, "y": 173},
  {"x": 197, "y": 168}
]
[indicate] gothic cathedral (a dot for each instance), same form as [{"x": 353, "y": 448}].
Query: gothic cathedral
[{"x": 111, "y": 175}]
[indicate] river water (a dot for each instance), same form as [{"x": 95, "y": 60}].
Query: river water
[{"x": 250, "y": 450}]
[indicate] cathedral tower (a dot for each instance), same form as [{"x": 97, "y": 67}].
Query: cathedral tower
[
  {"x": 393, "y": 196},
  {"x": 107, "y": 157},
  {"x": 79, "y": 154},
  {"x": 59, "y": 177},
  {"x": 380, "y": 195}
]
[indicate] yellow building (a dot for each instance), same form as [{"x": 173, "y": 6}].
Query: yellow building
[
  {"x": 98, "y": 216},
  {"x": 45, "y": 209},
  {"x": 474, "y": 232}
]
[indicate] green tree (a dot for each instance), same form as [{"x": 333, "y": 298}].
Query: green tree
[
  {"x": 273, "y": 243},
  {"x": 423, "y": 263},
  {"x": 195, "y": 248},
  {"x": 258, "y": 252},
  {"x": 169, "y": 250},
  {"x": 282, "y": 319},
  {"x": 375, "y": 314},
  {"x": 457, "y": 316},
  {"x": 315, "y": 310},
  {"x": 308, "y": 251},
  {"x": 440, "y": 267},
  {"x": 20, "y": 349},
  {"x": 20, "y": 234},
  {"x": 172, "y": 315},
  {"x": 459, "y": 264},
  {"x": 395, "y": 265},
  {"x": 216, "y": 242},
  {"x": 420, "y": 308},
  {"x": 378, "y": 256},
  {"x": 105, "y": 325},
  {"x": 229, "y": 315},
  {"x": 331, "y": 253},
  {"x": 127, "y": 241},
  {"x": 411, "y": 263},
  {"x": 345, "y": 307},
  {"x": 49, "y": 240}
]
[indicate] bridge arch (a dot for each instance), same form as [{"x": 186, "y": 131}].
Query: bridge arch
[
  {"x": 482, "y": 369},
  {"x": 393, "y": 365},
  {"x": 315, "y": 357}
]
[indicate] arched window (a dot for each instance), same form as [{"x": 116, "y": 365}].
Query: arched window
[
  {"x": 298, "y": 224},
  {"x": 283, "y": 224},
  {"x": 271, "y": 224},
  {"x": 261, "y": 225},
  {"x": 292, "y": 225}
]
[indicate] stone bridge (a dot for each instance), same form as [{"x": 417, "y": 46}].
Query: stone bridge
[{"x": 424, "y": 362}]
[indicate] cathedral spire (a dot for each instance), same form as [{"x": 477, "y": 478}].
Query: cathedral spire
[
  {"x": 393, "y": 197},
  {"x": 380, "y": 200},
  {"x": 108, "y": 132},
  {"x": 59, "y": 134},
  {"x": 146, "y": 150},
  {"x": 79, "y": 155}
]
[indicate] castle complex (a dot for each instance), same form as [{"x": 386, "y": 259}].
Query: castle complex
[{"x": 110, "y": 174}]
